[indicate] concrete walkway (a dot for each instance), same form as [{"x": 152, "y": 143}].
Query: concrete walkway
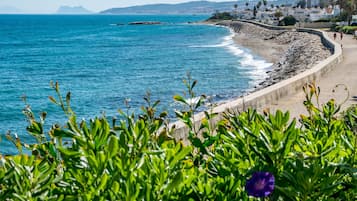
[{"x": 345, "y": 73}]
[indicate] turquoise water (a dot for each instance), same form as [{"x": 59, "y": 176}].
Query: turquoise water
[{"x": 102, "y": 64}]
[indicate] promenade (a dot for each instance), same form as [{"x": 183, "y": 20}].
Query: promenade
[{"x": 345, "y": 74}]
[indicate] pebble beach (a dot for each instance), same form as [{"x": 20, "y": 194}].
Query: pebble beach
[{"x": 291, "y": 52}]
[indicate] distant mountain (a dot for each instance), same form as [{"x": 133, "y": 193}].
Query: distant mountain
[
  {"x": 193, "y": 7},
  {"x": 72, "y": 10},
  {"x": 10, "y": 10}
]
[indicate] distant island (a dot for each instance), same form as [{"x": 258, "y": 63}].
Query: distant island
[
  {"x": 193, "y": 7},
  {"x": 75, "y": 10}
]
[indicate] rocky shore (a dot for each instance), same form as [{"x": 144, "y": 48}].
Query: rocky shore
[{"x": 291, "y": 52}]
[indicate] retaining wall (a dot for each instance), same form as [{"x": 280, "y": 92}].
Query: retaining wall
[{"x": 274, "y": 92}]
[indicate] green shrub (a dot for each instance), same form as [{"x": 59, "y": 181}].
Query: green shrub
[
  {"x": 349, "y": 29},
  {"x": 136, "y": 157},
  {"x": 287, "y": 21},
  {"x": 336, "y": 28},
  {"x": 221, "y": 16}
]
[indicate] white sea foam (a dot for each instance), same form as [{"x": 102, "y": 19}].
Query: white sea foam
[
  {"x": 227, "y": 43},
  {"x": 249, "y": 60},
  {"x": 256, "y": 66}
]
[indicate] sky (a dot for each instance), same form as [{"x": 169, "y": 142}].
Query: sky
[{"x": 50, "y": 6}]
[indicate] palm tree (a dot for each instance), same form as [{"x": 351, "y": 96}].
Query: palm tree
[
  {"x": 350, "y": 7},
  {"x": 255, "y": 11},
  {"x": 265, "y": 2},
  {"x": 259, "y": 4},
  {"x": 235, "y": 10}
]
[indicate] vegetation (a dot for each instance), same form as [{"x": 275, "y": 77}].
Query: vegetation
[
  {"x": 235, "y": 10},
  {"x": 259, "y": 4},
  {"x": 344, "y": 29},
  {"x": 265, "y": 3},
  {"x": 255, "y": 11},
  {"x": 349, "y": 7},
  {"x": 244, "y": 156},
  {"x": 349, "y": 29},
  {"x": 287, "y": 21},
  {"x": 221, "y": 16},
  {"x": 278, "y": 14},
  {"x": 301, "y": 4}
]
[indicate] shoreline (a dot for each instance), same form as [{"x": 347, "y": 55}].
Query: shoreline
[
  {"x": 291, "y": 52},
  {"x": 268, "y": 50},
  {"x": 288, "y": 88}
]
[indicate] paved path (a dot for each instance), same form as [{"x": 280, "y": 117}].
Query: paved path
[{"x": 345, "y": 73}]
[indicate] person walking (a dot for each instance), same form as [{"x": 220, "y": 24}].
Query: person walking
[
  {"x": 341, "y": 35},
  {"x": 334, "y": 36}
]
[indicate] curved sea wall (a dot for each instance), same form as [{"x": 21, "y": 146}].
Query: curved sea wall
[
  {"x": 325, "y": 40},
  {"x": 292, "y": 51},
  {"x": 273, "y": 92}
]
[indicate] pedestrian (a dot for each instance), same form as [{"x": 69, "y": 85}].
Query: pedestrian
[
  {"x": 341, "y": 35},
  {"x": 334, "y": 36}
]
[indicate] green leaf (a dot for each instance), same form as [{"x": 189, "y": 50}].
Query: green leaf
[
  {"x": 179, "y": 156},
  {"x": 176, "y": 181},
  {"x": 62, "y": 133},
  {"x": 193, "y": 84},
  {"x": 68, "y": 152},
  {"x": 68, "y": 98},
  {"x": 113, "y": 146},
  {"x": 53, "y": 100},
  {"x": 179, "y": 98},
  {"x": 103, "y": 182}
]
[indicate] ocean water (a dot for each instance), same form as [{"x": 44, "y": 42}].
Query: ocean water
[{"x": 102, "y": 64}]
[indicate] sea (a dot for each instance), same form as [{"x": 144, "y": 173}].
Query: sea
[{"x": 108, "y": 65}]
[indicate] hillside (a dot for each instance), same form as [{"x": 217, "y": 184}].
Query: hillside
[{"x": 194, "y": 7}]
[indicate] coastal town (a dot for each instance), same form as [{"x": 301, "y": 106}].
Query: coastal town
[{"x": 302, "y": 14}]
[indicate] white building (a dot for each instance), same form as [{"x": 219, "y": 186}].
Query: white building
[
  {"x": 326, "y": 13},
  {"x": 301, "y": 14}
]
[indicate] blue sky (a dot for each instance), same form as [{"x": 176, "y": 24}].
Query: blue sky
[{"x": 50, "y": 6}]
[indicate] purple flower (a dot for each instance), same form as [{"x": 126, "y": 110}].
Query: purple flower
[{"x": 261, "y": 184}]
